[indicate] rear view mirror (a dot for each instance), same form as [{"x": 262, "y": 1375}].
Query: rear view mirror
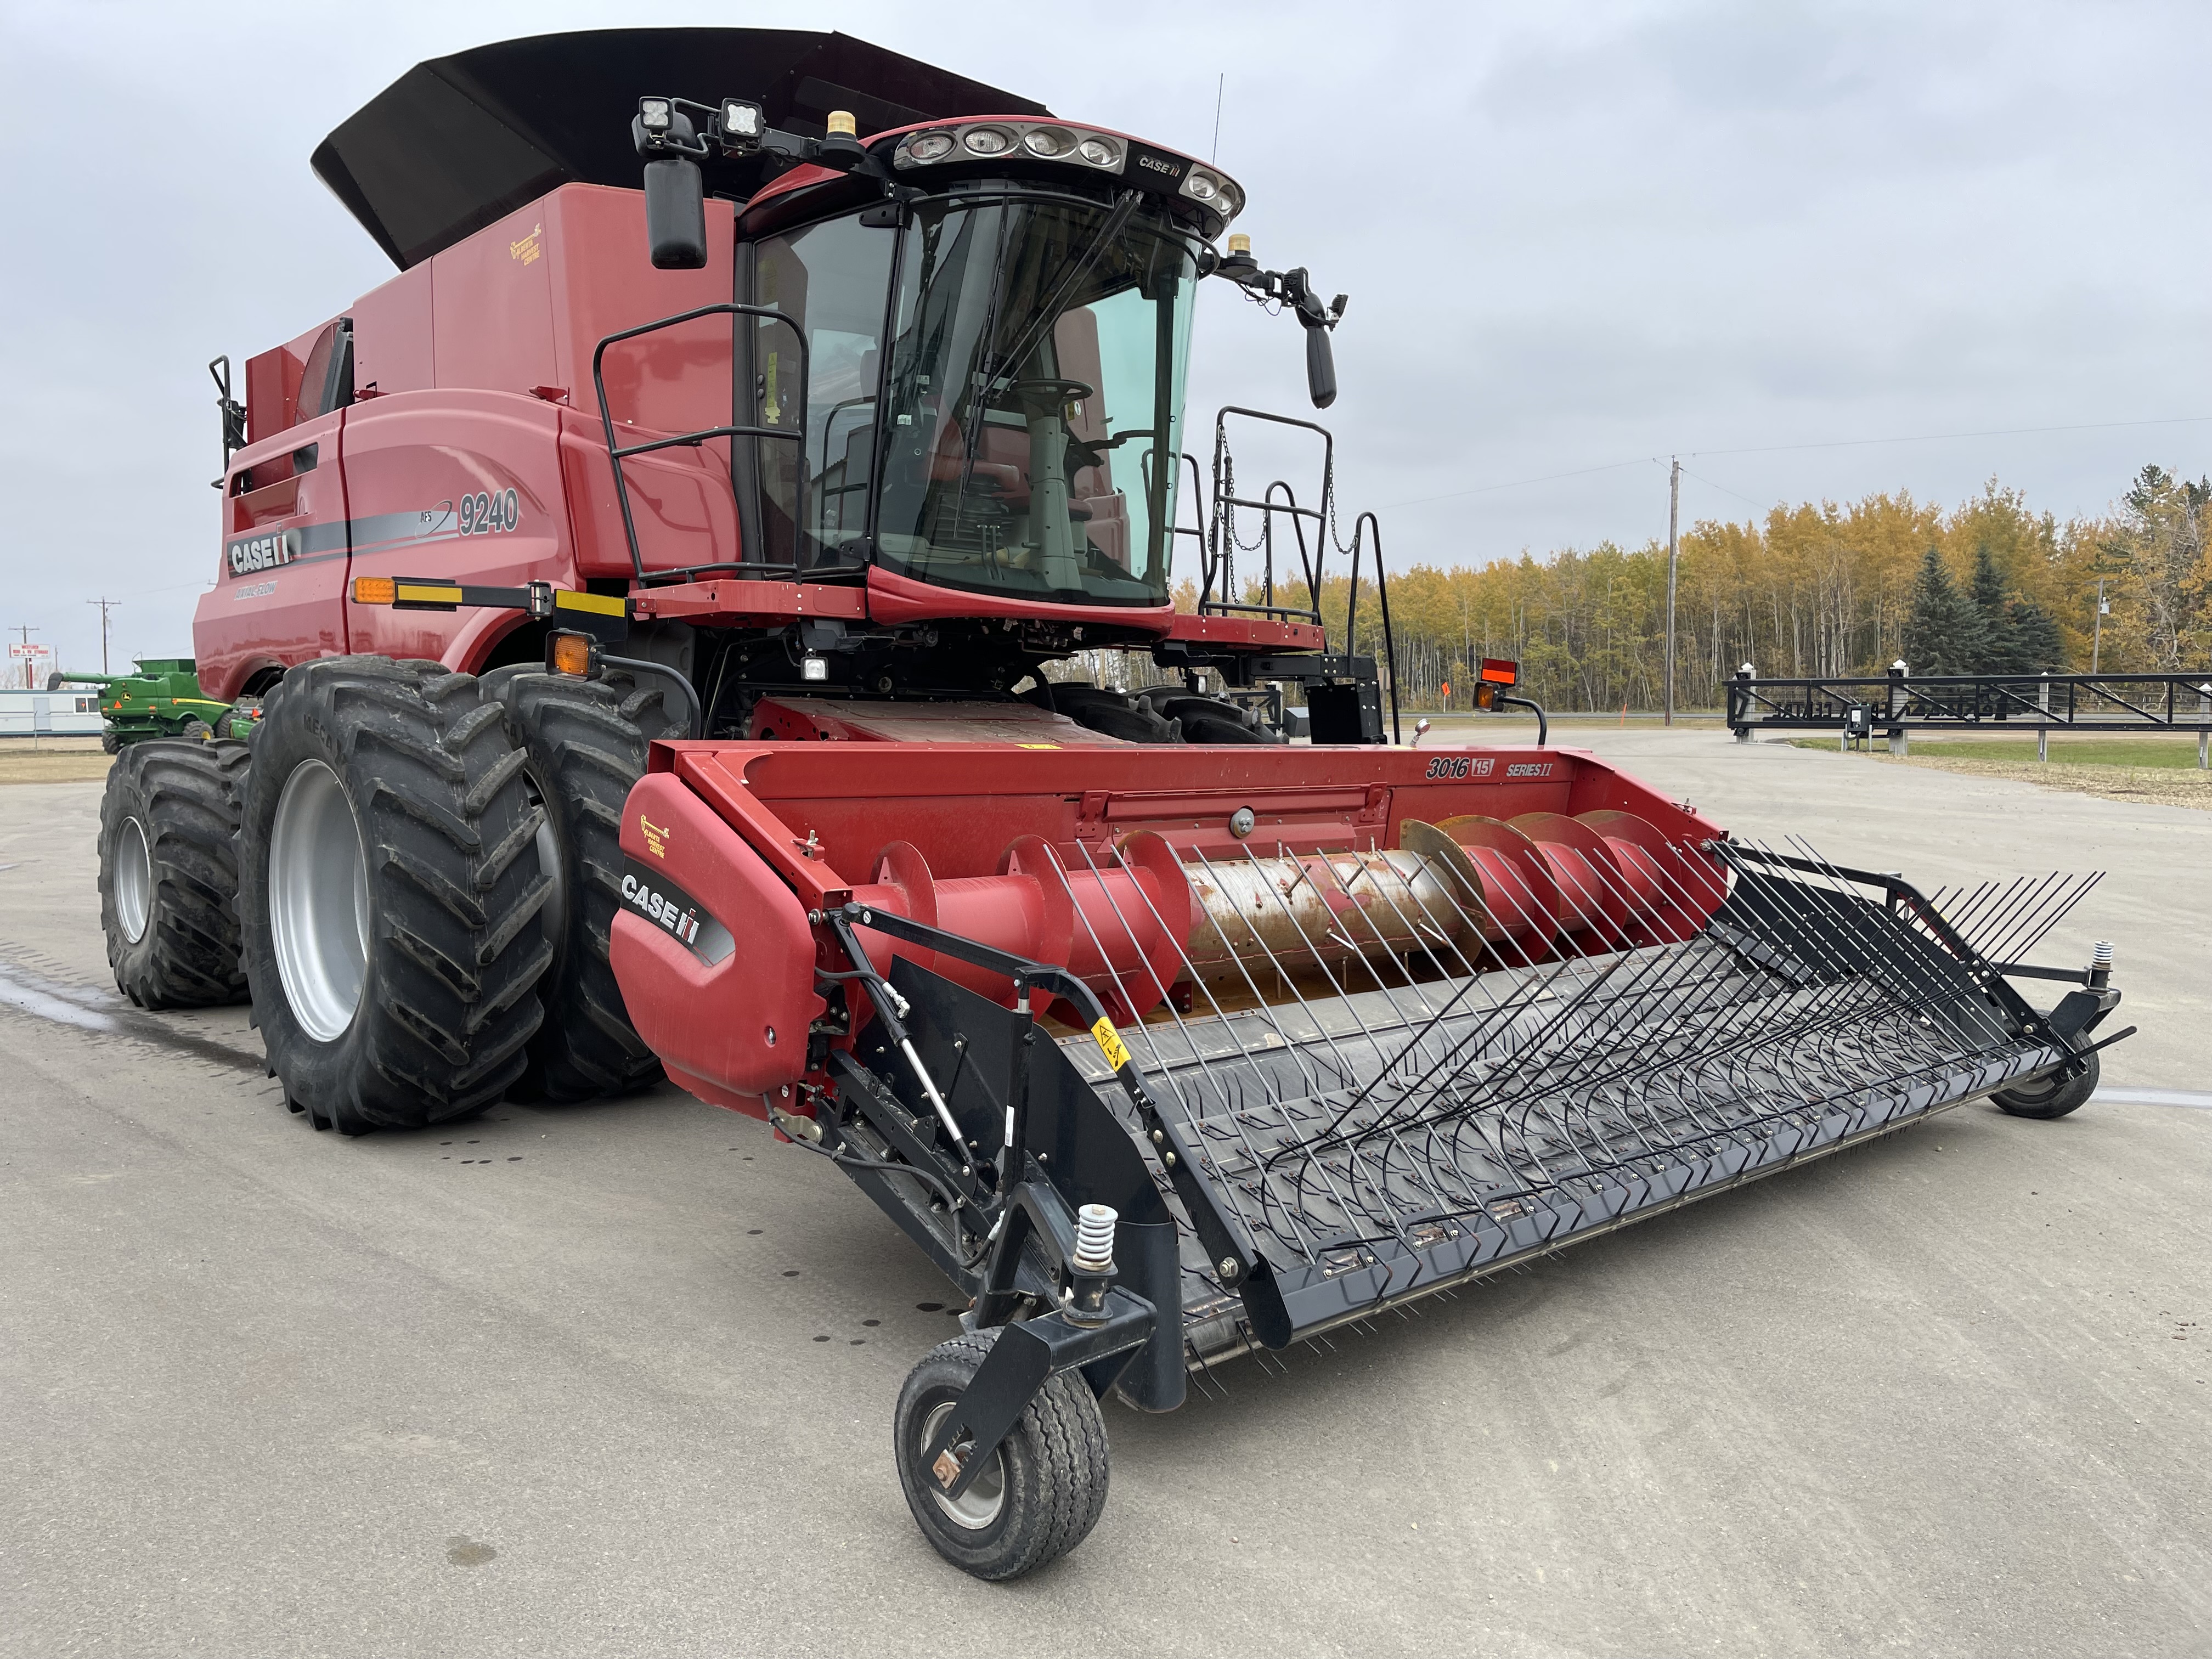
[
  {"x": 675, "y": 214},
  {"x": 1321, "y": 367}
]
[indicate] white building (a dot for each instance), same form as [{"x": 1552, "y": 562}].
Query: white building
[{"x": 72, "y": 713}]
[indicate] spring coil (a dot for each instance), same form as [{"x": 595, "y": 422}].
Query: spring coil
[{"x": 1094, "y": 1237}]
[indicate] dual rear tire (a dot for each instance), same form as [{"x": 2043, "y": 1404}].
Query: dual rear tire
[
  {"x": 389, "y": 891},
  {"x": 169, "y": 871}
]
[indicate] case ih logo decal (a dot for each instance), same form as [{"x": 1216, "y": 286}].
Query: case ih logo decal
[
  {"x": 262, "y": 552},
  {"x": 650, "y": 894},
  {"x": 1458, "y": 766}
]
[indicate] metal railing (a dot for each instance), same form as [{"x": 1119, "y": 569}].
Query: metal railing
[
  {"x": 617, "y": 453},
  {"x": 1901, "y": 702}
]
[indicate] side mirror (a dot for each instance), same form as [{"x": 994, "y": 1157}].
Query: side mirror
[
  {"x": 676, "y": 214},
  {"x": 1321, "y": 367}
]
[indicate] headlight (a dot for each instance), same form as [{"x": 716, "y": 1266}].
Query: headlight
[
  {"x": 1049, "y": 142},
  {"x": 930, "y": 145},
  {"x": 987, "y": 141},
  {"x": 1100, "y": 152},
  {"x": 1202, "y": 185}
]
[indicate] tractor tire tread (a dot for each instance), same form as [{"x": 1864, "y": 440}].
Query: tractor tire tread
[
  {"x": 185, "y": 794},
  {"x": 586, "y": 750},
  {"x": 440, "y": 803}
]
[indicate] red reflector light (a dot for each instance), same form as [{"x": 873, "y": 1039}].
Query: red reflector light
[{"x": 1499, "y": 671}]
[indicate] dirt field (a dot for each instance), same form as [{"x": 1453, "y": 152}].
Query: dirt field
[
  {"x": 53, "y": 760},
  {"x": 2169, "y": 786}
]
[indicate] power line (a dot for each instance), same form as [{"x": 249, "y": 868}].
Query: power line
[
  {"x": 1517, "y": 484},
  {"x": 1775, "y": 449},
  {"x": 1725, "y": 490},
  {"x": 1943, "y": 437}
]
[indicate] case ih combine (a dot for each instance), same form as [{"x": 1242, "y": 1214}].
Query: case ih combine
[{"x": 648, "y": 595}]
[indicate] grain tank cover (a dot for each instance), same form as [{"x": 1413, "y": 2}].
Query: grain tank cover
[{"x": 457, "y": 141}]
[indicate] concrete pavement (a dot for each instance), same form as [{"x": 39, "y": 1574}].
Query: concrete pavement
[{"x": 618, "y": 1379}]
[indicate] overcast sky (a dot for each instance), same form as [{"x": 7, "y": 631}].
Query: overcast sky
[{"x": 1575, "y": 236}]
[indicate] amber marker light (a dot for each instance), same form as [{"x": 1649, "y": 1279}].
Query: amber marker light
[
  {"x": 571, "y": 654},
  {"x": 374, "y": 590}
]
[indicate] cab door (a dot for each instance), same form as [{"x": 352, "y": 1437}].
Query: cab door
[{"x": 279, "y": 596}]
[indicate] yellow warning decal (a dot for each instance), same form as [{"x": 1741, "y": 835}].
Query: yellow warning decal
[
  {"x": 604, "y": 604},
  {"x": 1018, "y": 745},
  {"x": 1110, "y": 1043}
]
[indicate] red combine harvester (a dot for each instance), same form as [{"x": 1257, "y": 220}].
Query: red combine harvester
[{"x": 641, "y": 607}]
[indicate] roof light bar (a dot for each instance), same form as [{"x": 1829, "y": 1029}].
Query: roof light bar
[{"x": 1052, "y": 141}]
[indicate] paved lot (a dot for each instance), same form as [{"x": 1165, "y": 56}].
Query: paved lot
[{"x": 267, "y": 1391}]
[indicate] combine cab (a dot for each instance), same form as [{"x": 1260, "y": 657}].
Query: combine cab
[{"x": 659, "y": 603}]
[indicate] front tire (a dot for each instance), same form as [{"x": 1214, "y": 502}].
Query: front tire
[
  {"x": 388, "y": 896},
  {"x": 585, "y": 743},
  {"x": 2051, "y": 1095},
  {"x": 168, "y": 873},
  {"x": 1047, "y": 1488}
]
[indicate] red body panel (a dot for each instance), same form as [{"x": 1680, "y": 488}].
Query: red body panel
[
  {"x": 729, "y": 1031},
  {"x": 290, "y": 608}
]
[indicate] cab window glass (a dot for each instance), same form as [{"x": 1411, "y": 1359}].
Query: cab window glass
[{"x": 833, "y": 281}]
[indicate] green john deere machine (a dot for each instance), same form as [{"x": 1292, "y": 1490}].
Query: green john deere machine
[{"x": 163, "y": 699}]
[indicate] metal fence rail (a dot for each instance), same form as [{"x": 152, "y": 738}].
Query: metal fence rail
[{"x": 1899, "y": 702}]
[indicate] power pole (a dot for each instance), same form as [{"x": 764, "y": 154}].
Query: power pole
[
  {"x": 105, "y": 605},
  {"x": 1673, "y": 524},
  {"x": 2097, "y": 638},
  {"x": 24, "y": 635}
]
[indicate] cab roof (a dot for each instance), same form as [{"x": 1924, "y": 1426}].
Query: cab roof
[{"x": 460, "y": 141}]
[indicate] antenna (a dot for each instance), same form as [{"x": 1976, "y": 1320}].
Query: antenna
[{"x": 1220, "y": 86}]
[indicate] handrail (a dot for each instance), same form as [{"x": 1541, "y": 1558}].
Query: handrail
[
  {"x": 618, "y": 454},
  {"x": 1360, "y": 526},
  {"x": 1221, "y": 538}
]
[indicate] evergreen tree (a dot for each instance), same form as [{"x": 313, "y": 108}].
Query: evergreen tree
[
  {"x": 2031, "y": 641},
  {"x": 1945, "y": 632},
  {"x": 1997, "y": 652}
]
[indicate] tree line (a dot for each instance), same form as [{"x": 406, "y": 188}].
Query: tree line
[{"x": 1990, "y": 586}]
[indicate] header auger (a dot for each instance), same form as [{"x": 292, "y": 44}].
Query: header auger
[{"x": 655, "y": 602}]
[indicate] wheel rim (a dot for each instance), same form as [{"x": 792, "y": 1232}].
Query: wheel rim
[
  {"x": 553, "y": 917},
  {"x": 980, "y": 1505},
  {"x": 318, "y": 901},
  {"x": 134, "y": 880}
]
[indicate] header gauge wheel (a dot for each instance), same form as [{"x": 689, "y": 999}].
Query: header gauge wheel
[
  {"x": 389, "y": 893},
  {"x": 1046, "y": 1486}
]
